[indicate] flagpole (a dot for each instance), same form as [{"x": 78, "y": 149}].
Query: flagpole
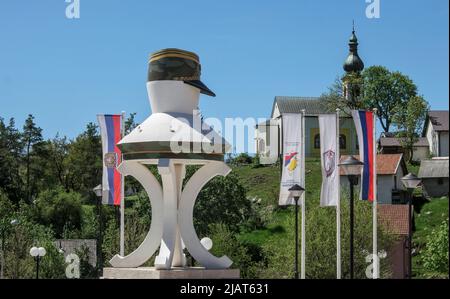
[
  {"x": 338, "y": 203},
  {"x": 303, "y": 246},
  {"x": 122, "y": 199},
  {"x": 376, "y": 268}
]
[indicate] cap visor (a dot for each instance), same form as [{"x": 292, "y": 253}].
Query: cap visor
[{"x": 203, "y": 89}]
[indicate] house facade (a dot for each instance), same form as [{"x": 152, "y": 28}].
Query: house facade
[
  {"x": 390, "y": 170},
  {"x": 389, "y": 144},
  {"x": 434, "y": 175},
  {"x": 436, "y": 132},
  {"x": 394, "y": 219}
]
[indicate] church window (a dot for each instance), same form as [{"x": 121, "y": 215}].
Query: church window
[
  {"x": 317, "y": 141},
  {"x": 342, "y": 141}
]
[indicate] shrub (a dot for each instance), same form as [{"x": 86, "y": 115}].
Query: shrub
[
  {"x": 435, "y": 255},
  {"x": 59, "y": 210},
  {"x": 246, "y": 257}
]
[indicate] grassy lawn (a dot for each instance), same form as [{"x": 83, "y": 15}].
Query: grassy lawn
[{"x": 263, "y": 182}]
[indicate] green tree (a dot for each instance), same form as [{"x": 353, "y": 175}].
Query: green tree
[
  {"x": 387, "y": 91},
  {"x": 31, "y": 136},
  {"x": 59, "y": 170},
  {"x": 59, "y": 210},
  {"x": 222, "y": 200},
  {"x": 435, "y": 255},
  {"x": 409, "y": 121},
  {"x": 10, "y": 158},
  {"x": 85, "y": 162},
  {"x": 321, "y": 243},
  {"x": 226, "y": 243},
  {"x": 130, "y": 123},
  {"x": 335, "y": 98}
]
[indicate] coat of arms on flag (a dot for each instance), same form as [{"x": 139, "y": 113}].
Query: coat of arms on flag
[
  {"x": 292, "y": 172},
  {"x": 290, "y": 161},
  {"x": 110, "y": 129},
  {"x": 329, "y": 162}
]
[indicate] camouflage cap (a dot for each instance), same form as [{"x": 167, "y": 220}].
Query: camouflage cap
[{"x": 179, "y": 65}]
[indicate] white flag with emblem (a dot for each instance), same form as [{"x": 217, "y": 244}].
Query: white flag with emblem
[
  {"x": 292, "y": 159},
  {"x": 329, "y": 160}
]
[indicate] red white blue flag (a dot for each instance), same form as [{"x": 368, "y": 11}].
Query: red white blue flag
[
  {"x": 110, "y": 129},
  {"x": 364, "y": 123}
]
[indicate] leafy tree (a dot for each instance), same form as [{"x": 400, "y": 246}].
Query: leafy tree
[
  {"x": 226, "y": 243},
  {"x": 409, "y": 121},
  {"x": 31, "y": 136},
  {"x": 86, "y": 269},
  {"x": 85, "y": 162},
  {"x": 10, "y": 159},
  {"x": 59, "y": 170},
  {"x": 387, "y": 91},
  {"x": 130, "y": 123},
  {"x": 222, "y": 200},
  {"x": 59, "y": 210},
  {"x": 335, "y": 98},
  {"x": 19, "y": 263},
  {"x": 435, "y": 255},
  {"x": 321, "y": 243},
  {"x": 243, "y": 158}
]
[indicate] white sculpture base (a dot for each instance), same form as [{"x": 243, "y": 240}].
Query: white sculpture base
[
  {"x": 174, "y": 273},
  {"x": 172, "y": 229}
]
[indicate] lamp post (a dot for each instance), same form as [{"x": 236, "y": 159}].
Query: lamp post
[
  {"x": 351, "y": 167},
  {"x": 3, "y": 236},
  {"x": 98, "y": 190},
  {"x": 410, "y": 182},
  {"x": 296, "y": 192},
  {"x": 37, "y": 253}
]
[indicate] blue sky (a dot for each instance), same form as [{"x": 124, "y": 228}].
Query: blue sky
[{"x": 66, "y": 71}]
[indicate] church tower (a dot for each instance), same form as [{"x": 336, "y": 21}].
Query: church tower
[{"x": 353, "y": 66}]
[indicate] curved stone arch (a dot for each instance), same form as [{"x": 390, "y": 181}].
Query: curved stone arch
[
  {"x": 185, "y": 216},
  {"x": 153, "y": 238}
]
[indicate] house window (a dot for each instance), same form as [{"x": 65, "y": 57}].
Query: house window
[
  {"x": 342, "y": 141},
  {"x": 317, "y": 141},
  {"x": 440, "y": 181}
]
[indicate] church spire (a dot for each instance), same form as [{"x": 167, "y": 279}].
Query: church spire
[{"x": 353, "y": 63}]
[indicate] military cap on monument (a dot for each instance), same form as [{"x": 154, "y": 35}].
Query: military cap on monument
[{"x": 179, "y": 65}]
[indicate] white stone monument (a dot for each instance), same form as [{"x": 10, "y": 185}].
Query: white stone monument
[{"x": 172, "y": 137}]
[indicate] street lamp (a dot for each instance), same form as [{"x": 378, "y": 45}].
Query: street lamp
[
  {"x": 98, "y": 190},
  {"x": 296, "y": 192},
  {"x": 60, "y": 248},
  {"x": 410, "y": 182},
  {"x": 351, "y": 167},
  {"x": 37, "y": 253},
  {"x": 13, "y": 222}
]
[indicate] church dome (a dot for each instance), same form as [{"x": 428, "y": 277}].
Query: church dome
[{"x": 353, "y": 63}]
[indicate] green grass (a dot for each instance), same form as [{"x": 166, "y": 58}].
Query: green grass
[{"x": 263, "y": 182}]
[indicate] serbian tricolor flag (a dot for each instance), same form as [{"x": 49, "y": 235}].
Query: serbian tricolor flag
[
  {"x": 364, "y": 123},
  {"x": 110, "y": 129}
]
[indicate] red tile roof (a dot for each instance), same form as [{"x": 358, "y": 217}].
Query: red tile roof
[
  {"x": 386, "y": 163},
  {"x": 396, "y": 142},
  {"x": 394, "y": 218}
]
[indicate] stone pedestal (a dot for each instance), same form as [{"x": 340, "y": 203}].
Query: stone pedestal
[{"x": 174, "y": 273}]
